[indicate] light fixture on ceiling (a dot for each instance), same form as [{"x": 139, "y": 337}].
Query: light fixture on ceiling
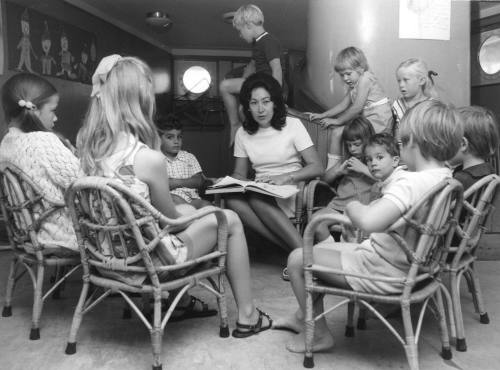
[
  {"x": 158, "y": 19},
  {"x": 228, "y": 17}
]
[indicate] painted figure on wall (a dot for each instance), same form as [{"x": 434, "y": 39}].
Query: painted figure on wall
[
  {"x": 82, "y": 68},
  {"x": 25, "y": 44},
  {"x": 66, "y": 58},
  {"x": 46, "y": 58}
]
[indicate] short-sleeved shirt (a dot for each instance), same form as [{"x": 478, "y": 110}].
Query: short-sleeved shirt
[
  {"x": 265, "y": 48},
  {"x": 399, "y": 108},
  {"x": 271, "y": 151},
  {"x": 184, "y": 166},
  {"x": 468, "y": 176},
  {"x": 405, "y": 191}
]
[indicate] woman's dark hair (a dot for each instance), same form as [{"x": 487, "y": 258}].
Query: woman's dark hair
[
  {"x": 269, "y": 83},
  {"x": 21, "y": 95},
  {"x": 357, "y": 129}
]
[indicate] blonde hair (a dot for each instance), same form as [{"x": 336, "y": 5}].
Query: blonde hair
[
  {"x": 126, "y": 103},
  {"x": 419, "y": 67},
  {"x": 248, "y": 14},
  {"x": 480, "y": 130},
  {"x": 351, "y": 58},
  {"x": 434, "y": 127}
]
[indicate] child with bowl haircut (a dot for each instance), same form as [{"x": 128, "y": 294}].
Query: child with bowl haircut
[
  {"x": 480, "y": 143},
  {"x": 430, "y": 136}
]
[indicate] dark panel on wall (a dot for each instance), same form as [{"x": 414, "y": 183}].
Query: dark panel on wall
[{"x": 110, "y": 40}]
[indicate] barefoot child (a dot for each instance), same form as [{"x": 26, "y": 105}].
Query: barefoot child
[
  {"x": 430, "y": 135},
  {"x": 364, "y": 97}
]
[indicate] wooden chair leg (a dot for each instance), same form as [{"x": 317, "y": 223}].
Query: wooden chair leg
[
  {"x": 478, "y": 295},
  {"x": 7, "y": 308},
  {"x": 221, "y": 302},
  {"x": 361, "y": 318},
  {"x": 349, "y": 329},
  {"x": 410, "y": 345},
  {"x": 157, "y": 333},
  {"x": 77, "y": 320},
  {"x": 309, "y": 331},
  {"x": 37, "y": 303},
  {"x": 445, "y": 339},
  {"x": 455, "y": 278}
]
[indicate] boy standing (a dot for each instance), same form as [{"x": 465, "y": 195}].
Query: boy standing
[
  {"x": 480, "y": 142},
  {"x": 266, "y": 53},
  {"x": 184, "y": 171}
]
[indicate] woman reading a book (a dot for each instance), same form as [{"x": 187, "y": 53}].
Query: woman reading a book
[{"x": 275, "y": 146}]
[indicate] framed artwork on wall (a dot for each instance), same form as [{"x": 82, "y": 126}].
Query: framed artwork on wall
[{"x": 40, "y": 44}]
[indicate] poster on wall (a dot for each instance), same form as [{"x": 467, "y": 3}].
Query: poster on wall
[
  {"x": 41, "y": 44},
  {"x": 424, "y": 19}
]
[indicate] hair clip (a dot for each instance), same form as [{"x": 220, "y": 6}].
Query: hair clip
[
  {"x": 430, "y": 74},
  {"x": 101, "y": 73},
  {"x": 26, "y": 104}
]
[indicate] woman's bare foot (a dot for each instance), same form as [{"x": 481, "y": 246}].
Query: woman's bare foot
[
  {"x": 289, "y": 323},
  {"x": 323, "y": 341}
]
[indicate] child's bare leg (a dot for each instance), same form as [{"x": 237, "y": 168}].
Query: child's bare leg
[
  {"x": 323, "y": 338},
  {"x": 202, "y": 236},
  {"x": 229, "y": 89},
  {"x": 335, "y": 152},
  {"x": 276, "y": 220},
  {"x": 240, "y": 205}
]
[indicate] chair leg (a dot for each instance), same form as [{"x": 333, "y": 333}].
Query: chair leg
[
  {"x": 157, "y": 333},
  {"x": 37, "y": 303},
  {"x": 349, "y": 329},
  {"x": 7, "y": 309},
  {"x": 221, "y": 301},
  {"x": 361, "y": 318},
  {"x": 445, "y": 339},
  {"x": 478, "y": 295},
  {"x": 410, "y": 345},
  {"x": 309, "y": 331},
  {"x": 461, "y": 345},
  {"x": 77, "y": 320}
]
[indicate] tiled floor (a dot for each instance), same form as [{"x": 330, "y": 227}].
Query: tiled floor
[{"x": 105, "y": 341}]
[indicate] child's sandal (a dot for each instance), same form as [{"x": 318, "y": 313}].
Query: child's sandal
[{"x": 245, "y": 330}]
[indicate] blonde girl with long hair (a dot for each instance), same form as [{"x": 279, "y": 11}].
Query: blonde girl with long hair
[{"x": 119, "y": 140}]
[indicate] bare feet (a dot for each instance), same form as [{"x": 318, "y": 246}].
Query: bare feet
[
  {"x": 322, "y": 342},
  {"x": 290, "y": 323}
]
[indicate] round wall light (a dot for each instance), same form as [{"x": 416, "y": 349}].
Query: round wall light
[{"x": 196, "y": 79}]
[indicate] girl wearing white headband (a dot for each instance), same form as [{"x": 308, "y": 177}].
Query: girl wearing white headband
[{"x": 118, "y": 132}]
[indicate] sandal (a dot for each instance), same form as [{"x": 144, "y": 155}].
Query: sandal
[
  {"x": 190, "y": 312},
  {"x": 245, "y": 330},
  {"x": 284, "y": 274}
]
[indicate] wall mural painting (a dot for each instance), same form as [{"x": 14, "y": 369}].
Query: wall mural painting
[{"x": 40, "y": 44}]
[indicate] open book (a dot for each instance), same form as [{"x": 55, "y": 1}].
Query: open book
[{"x": 231, "y": 185}]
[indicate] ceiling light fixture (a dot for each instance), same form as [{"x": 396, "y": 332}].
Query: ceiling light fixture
[{"x": 158, "y": 19}]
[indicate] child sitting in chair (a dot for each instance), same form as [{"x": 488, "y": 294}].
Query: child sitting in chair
[
  {"x": 430, "y": 135},
  {"x": 480, "y": 143},
  {"x": 184, "y": 170}
]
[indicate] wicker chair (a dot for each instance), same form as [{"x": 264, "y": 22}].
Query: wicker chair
[
  {"x": 477, "y": 207},
  {"x": 24, "y": 210},
  {"x": 431, "y": 220},
  {"x": 119, "y": 238}
]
